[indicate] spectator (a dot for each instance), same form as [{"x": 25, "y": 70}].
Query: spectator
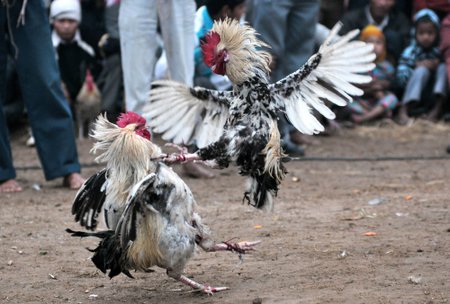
[
  {"x": 48, "y": 111},
  {"x": 74, "y": 56},
  {"x": 394, "y": 24},
  {"x": 442, "y": 8},
  {"x": 137, "y": 24},
  {"x": 289, "y": 27},
  {"x": 204, "y": 19},
  {"x": 13, "y": 106},
  {"x": 110, "y": 80},
  {"x": 331, "y": 11},
  {"x": 421, "y": 71},
  {"x": 92, "y": 26},
  {"x": 377, "y": 100}
]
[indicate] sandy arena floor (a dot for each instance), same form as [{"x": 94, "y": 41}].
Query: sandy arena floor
[{"x": 314, "y": 248}]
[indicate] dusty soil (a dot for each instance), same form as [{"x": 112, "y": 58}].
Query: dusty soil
[{"x": 314, "y": 248}]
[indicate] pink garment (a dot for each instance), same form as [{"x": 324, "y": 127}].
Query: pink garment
[{"x": 445, "y": 43}]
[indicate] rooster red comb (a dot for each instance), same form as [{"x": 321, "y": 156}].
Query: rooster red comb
[
  {"x": 128, "y": 118},
  {"x": 209, "y": 45}
]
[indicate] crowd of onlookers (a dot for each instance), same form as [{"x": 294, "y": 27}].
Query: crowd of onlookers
[{"x": 111, "y": 50}]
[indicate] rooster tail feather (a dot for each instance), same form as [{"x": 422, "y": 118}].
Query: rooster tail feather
[
  {"x": 108, "y": 255},
  {"x": 260, "y": 191},
  {"x": 274, "y": 153}
]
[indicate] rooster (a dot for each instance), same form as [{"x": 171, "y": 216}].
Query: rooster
[
  {"x": 87, "y": 105},
  {"x": 241, "y": 125},
  {"x": 149, "y": 211}
]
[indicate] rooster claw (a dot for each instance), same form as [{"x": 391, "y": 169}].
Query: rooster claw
[
  {"x": 209, "y": 290},
  {"x": 242, "y": 247}
]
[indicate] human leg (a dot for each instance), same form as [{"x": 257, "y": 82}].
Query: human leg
[
  {"x": 7, "y": 172},
  {"x": 177, "y": 28},
  {"x": 300, "y": 43},
  {"x": 137, "y": 25},
  {"x": 270, "y": 20},
  {"x": 440, "y": 92},
  {"x": 48, "y": 110},
  {"x": 112, "y": 82},
  {"x": 413, "y": 92}
]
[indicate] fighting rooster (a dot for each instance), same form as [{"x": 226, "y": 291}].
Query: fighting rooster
[
  {"x": 241, "y": 125},
  {"x": 149, "y": 210}
]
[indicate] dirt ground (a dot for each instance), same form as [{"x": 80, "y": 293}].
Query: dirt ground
[{"x": 314, "y": 248}]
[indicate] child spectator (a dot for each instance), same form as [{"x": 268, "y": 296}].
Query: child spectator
[
  {"x": 421, "y": 71},
  {"x": 377, "y": 100},
  {"x": 381, "y": 13},
  {"x": 204, "y": 19},
  {"x": 74, "y": 56}
]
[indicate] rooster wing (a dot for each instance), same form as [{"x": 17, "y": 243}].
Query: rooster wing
[
  {"x": 163, "y": 199},
  {"x": 328, "y": 75},
  {"x": 185, "y": 115}
]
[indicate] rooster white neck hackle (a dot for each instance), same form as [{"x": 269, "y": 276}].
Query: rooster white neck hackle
[
  {"x": 128, "y": 156},
  {"x": 246, "y": 59}
]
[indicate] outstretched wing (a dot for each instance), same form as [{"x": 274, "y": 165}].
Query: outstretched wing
[
  {"x": 89, "y": 200},
  {"x": 161, "y": 194},
  {"x": 186, "y": 115},
  {"x": 328, "y": 75}
]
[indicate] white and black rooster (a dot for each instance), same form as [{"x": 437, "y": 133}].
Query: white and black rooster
[
  {"x": 148, "y": 209},
  {"x": 241, "y": 125}
]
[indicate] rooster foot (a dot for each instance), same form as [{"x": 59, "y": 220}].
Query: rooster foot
[
  {"x": 204, "y": 288},
  {"x": 209, "y": 290},
  {"x": 241, "y": 247},
  {"x": 180, "y": 158}
]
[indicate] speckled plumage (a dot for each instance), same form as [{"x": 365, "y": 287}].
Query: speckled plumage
[{"x": 237, "y": 126}]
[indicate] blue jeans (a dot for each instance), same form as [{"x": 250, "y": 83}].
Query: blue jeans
[{"x": 48, "y": 111}]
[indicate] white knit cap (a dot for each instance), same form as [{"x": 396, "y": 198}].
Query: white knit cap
[{"x": 65, "y": 9}]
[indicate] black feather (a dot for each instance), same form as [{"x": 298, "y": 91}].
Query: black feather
[
  {"x": 89, "y": 200},
  {"x": 108, "y": 255}
]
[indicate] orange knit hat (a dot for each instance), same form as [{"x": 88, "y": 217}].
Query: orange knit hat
[
  {"x": 373, "y": 31},
  {"x": 369, "y": 31}
]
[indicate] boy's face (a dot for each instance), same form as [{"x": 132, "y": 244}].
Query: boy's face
[
  {"x": 381, "y": 8},
  {"x": 378, "y": 45},
  {"x": 426, "y": 34},
  {"x": 65, "y": 28}
]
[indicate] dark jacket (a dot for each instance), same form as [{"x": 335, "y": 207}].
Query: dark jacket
[{"x": 396, "y": 30}]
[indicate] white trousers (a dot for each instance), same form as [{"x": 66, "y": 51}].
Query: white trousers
[{"x": 138, "y": 21}]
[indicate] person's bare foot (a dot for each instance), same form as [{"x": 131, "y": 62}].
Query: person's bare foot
[
  {"x": 9, "y": 186},
  {"x": 357, "y": 118},
  {"x": 73, "y": 181},
  {"x": 197, "y": 171}
]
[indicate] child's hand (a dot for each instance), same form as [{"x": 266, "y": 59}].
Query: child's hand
[{"x": 430, "y": 64}]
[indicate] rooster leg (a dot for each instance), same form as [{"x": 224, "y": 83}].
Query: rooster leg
[
  {"x": 181, "y": 158},
  {"x": 241, "y": 247},
  {"x": 196, "y": 286}
]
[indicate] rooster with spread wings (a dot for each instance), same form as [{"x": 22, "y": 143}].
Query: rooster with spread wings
[{"x": 241, "y": 125}]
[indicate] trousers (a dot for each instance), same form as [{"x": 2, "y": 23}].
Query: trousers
[{"x": 48, "y": 111}]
